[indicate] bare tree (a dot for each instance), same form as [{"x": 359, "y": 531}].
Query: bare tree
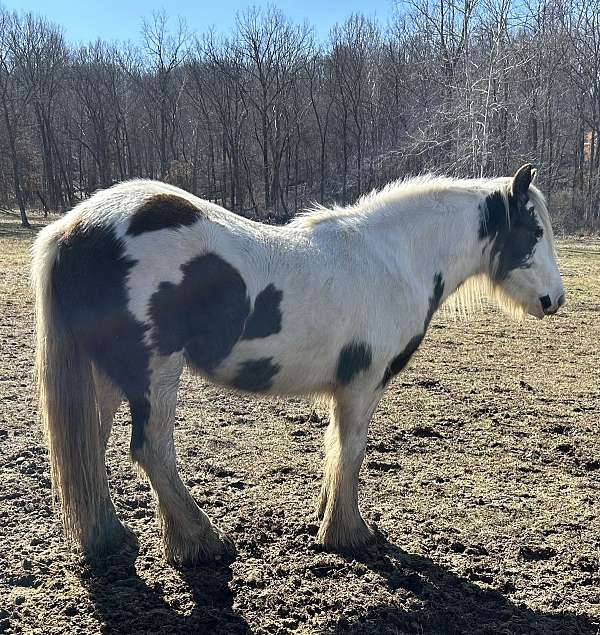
[
  {"x": 165, "y": 52},
  {"x": 264, "y": 121},
  {"x": 14, "y": 97}
]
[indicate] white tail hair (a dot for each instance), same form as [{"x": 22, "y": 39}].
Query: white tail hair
[{"x": 67, "y": 400}]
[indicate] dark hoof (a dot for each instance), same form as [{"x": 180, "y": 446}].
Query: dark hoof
[
  {"x": 118, "y": 544},
  {"x": 228, "y": 551}
]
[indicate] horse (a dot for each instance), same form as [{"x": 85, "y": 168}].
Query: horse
[{"x": 143, "y": 278}]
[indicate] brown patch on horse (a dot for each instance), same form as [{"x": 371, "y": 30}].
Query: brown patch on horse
[{"x": 163, "y": 211}]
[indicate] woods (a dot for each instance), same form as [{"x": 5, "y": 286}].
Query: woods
[{"x": 268, "y": 119}]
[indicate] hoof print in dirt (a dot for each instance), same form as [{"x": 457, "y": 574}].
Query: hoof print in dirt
[
  {"x": 532, "y": 553},
  {"x": 411, "y": 582}
]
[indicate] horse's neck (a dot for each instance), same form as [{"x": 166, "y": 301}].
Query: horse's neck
[{"x": 435, "y": 239}]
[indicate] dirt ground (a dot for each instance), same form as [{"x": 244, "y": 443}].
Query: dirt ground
[{"x": 483, "y": 473}]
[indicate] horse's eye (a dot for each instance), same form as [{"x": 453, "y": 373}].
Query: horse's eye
[{"x": 538, "y": 233}]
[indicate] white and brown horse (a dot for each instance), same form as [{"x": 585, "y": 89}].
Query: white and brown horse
[{"x": 143, "y": 278}]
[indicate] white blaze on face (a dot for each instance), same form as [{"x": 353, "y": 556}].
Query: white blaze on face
[{"x": 546, "y": 270}]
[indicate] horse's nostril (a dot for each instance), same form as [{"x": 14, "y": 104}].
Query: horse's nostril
[{"x": 548, "y": 307}]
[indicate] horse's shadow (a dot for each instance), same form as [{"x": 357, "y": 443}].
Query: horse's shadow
[
  {"x": 124, "y": 603},
  {"x": 435, "y": 602},
  {"x": 444, "y": 603}
]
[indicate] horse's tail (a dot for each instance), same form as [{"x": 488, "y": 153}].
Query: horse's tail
[{"x": 67, "y": 399}]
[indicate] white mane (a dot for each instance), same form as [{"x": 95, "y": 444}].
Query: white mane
[
  {"x": 396, "y": 197},
  {"x": 399, "y": 191},
  {"x": 411, "y": 188}
]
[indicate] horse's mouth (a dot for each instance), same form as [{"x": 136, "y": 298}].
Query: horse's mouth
[{"x": 537, "y": 312}]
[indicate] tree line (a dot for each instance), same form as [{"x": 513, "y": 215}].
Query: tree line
[{"x": 269, "y": 119}]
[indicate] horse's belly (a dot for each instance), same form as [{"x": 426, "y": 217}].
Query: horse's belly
[{"x": 274, "y": 367}]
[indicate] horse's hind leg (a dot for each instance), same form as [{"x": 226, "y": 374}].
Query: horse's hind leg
[
  {"x": 109, "y": 532},
  {"x": 189, "y": 536},
  {"x": 342, "y": 526}
]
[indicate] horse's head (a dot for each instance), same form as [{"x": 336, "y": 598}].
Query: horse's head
[{"x": 522, "y": 265}]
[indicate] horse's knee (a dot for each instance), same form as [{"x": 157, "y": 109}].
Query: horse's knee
[
  {"x": 152, "y": 431},
  {"x": 156, "y": 458},
  {"x": 140, "y": 456}
]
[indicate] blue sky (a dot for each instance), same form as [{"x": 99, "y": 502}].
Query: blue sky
[{"x": 85, "y": 20}]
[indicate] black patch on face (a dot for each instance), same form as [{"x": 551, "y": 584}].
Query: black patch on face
[
  {"x": 89, "y": 278},
  {"x": 399, "y": 362},
  {"x": 492, "y": 218},
  {"x": 354, "y": 358},
  {"x": 163, "y": 211},
  {"x": 512, "y": 243},
  {"x": 256, "y": 375},
  {"x": 266, "y": 315},
  {"x": 204, "y": 313}
]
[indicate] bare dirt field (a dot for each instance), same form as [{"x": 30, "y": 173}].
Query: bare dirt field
[{"x": 483, "y": 473}]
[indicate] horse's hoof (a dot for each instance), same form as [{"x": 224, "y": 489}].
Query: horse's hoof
[
  {"x": 229, "y": 551},
  {"x": 349, "y": 542},
  {"x": 219, "y": 548},
  {"x": 118, "y": 540}
]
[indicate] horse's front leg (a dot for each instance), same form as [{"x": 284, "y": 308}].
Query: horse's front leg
[{"x": 342, "y": 526}]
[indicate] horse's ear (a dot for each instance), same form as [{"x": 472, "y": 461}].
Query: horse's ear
[{"x": 522, "y": 180}]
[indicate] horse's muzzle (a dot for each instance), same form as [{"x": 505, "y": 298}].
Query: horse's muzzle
[{"x": 549, "y": 307}]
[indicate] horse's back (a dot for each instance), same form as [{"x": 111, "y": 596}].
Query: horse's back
[{"x": 146, "y": 270}]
